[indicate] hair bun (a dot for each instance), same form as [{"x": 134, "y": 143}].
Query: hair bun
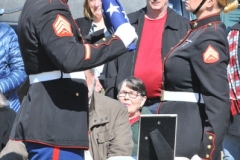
[
  {"x": 223, "y": 2},
  {"x": 230, "y": 6}
]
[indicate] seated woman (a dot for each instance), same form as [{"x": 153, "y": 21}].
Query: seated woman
[{"x": 132, "y": 93}]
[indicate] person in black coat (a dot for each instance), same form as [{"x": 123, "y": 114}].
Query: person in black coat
[
  {"x": 7, "y": 116},
  {"x": 196, "y": 83},
  {"x": 159, "y": 28}
]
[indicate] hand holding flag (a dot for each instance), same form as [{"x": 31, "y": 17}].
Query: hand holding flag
[{"x": 115, "y": 14}]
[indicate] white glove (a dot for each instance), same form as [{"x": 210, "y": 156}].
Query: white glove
[
  {"x": 126, "y": 33},
  {"x": 196, "y": 157}
]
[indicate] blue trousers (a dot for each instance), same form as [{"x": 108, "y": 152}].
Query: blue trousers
[
  {"x": 153, "y": 108},
  {"x": 231, "y": 147},
  {"x": 43, "y": 152}
]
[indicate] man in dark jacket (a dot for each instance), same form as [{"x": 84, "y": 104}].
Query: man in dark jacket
[
  {"x": 159, "y": 29},
  {"x": 53, "y": 118}
]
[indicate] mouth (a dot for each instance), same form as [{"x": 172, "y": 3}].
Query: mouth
[
  {"x": 98, "y": 9},
  {"x": 155, "y": 1},
  {"x": 126, "y": 104}
]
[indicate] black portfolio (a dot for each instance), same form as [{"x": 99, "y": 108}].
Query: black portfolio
[{"x": 157, "y": 137}]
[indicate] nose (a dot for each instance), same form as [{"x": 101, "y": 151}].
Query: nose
[
  {"x": 98, "y": 3},
  {"x": 126, "y": 96}
]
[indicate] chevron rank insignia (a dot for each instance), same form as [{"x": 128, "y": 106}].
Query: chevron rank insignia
[
  {"x": 62, "y": 27},
  {"x": 210, "y": 55}
]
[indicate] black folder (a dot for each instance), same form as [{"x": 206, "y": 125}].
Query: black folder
[{"x": 157, "y": 137}]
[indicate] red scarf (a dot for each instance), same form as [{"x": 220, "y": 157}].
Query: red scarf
[
  {"x": 234, "y": 72},
  {"x": 134, "y": 119}
]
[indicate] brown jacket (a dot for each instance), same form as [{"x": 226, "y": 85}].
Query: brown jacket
[{"x": 110, "y": 132}]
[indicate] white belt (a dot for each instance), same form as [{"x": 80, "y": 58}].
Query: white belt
[
  {"x": 53, "y": 75},
  {"x": 181, "y": 96}
]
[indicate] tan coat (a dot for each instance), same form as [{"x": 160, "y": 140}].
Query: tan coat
[{"x": 110, "y": 132}]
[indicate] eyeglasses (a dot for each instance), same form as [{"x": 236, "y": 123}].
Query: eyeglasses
[{"x": 130, "y": 94}]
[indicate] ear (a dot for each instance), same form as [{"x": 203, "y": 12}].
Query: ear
[
  {"x": 143, "y": 101},
  {"x": 210, "y": 3}
]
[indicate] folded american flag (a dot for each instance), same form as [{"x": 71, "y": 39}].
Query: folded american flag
[{"x": 115, "y": 15}]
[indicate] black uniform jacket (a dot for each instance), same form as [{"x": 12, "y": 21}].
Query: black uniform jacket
[
  {"x": 234, "y": 128},
  {"x": 7, "y": 116},
  {"x": 114, "y": 72},
  {"x": 55, "y": 112},
  {"x": 199, "y": 64}
]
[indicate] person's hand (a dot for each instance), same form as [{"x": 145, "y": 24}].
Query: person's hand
[
  {"x": 98, "y": 87},
  {"x": 126, "y": 33}
]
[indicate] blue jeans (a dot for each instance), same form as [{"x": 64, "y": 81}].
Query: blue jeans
[{"x": 231, "y": 147}]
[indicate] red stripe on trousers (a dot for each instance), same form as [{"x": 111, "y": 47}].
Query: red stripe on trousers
[{"x": 56, "y": 152}]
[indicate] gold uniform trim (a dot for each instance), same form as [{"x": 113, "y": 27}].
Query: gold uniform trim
[
  {"x": 195, "y": 24},
  {"x": 210, "y": 137},
  {"x": 207, "y": 156},
  {"x": 209, "y": 146}
]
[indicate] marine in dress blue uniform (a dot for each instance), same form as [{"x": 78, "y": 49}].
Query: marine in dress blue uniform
[
  {"x": 196, "y": 88},
  {"x": 55, "y": 109}
]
